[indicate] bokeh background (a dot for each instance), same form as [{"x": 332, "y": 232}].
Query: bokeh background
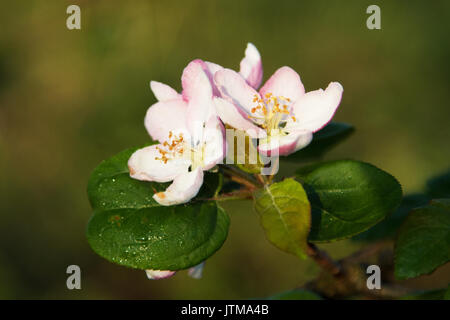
[{"x": 69, "y": 99}]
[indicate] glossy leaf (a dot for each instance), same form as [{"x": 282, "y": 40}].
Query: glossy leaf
[
  {"x": 285, "y": 215},
  {"x": 130, "y": 228},
  {"x": 389, "y": 226},
  {"x": 423, "y": 242},
  {"x": 159, "y": 238},
  {"x": 347, "y": 197}
]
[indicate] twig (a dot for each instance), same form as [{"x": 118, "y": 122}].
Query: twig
[
  {"x": 238, "y": 195},
  {"x": 260, "y": 178},
  {"x": 274, "y": 167},
  {"x": 347, "y": 277},
  {"x": 248, "y": 184},
  {"x": 240, "y": 177},
  {"x": 324, "y": 260}
]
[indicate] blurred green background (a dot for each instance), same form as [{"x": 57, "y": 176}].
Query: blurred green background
[{"x": 69, "y": 99}]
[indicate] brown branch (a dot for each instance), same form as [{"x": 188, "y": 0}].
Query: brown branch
[
  {"x": 248, "y": 184},
  {"x": 347, "y": 277},
  {"x": 260, "y": 179},
  {"x": 240, "y": 177},
  {"x": 324, "y": 260}
]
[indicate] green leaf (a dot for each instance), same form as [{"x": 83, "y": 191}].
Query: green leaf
[
  {"x": 285, "y": 215},
  {"x": 297, "y": 294},
  {"x": 389, "y": 226},
  {"x": 323, "y": 141},
  {"x": 423, "y": 242},
  {"x": 347, "y": 197},
  {"x": 159, "y": 238},
  {"x": 439, "y": 186},
  {"x": 130, "y": 228}
]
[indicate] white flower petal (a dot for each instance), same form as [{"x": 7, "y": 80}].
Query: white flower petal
[
  {"x": 143, "y": 165},
  {"x": 183, "y": 188},
  {"x": 213, "y": 67},
  {"x": 198, "y": 91},
  {"x": 285, "y": 144},
  {"x": 235, "y": 89},
  {"x": 284, "y": 82},
  {"x": 166, "y": 116},
  {"x": 159, "y": 274},
  {"x": 251, "y": 66},
  {"x": 230, "y": 115},
  {"x": 214, "y": 143},
  {"x": 316, "y": 108},
  {"x": 163, "y": 92},
  {"x": 196, "y": 272}
]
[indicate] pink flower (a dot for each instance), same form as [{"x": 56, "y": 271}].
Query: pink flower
[
  {"x": 250, "y": 69},
  {"x": 281, "y": 109},
  {"x": 187, "y": 127},
  {"x": 159, "y": 274},
  {"x": 195, "y": 272},
  {"x": 190, "y": 135}
]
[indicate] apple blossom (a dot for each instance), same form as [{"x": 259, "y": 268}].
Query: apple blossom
[
  {"x": 287, "y": 114},
  {"x": 190, "y": 135}
]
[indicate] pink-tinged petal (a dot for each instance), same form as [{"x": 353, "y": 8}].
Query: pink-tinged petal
[
  {"x": 163, "y": 117},
  {"x": 159, "y": 274},
  {"x": 196, "y": 272},
  {"x": 144, "y": 165},
  {"x": 195, "y": 81},
  {"x": 213, "y": 67},
  {"x": 183, "y": 188},
  {"x": 214, "y": 143},
  {"x": 284, "y": 145},
  {"x": 235, "y": 89},
  {"x": 316, "y": 108},
  {"x": 284, "y": 82},
  {"x": 228, "y": 113},
  {"x": 198, "y": 91},
  {"x": 251, "y": 66},
  {"x": 163, "y": 92}
]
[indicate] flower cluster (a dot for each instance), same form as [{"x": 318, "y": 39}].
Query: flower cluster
[
  {"x": 280, "y": 117},
  {"x": 189, "y": 126}
]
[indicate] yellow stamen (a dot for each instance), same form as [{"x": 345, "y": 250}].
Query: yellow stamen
[
  {"x": 273, "y": 108},
  {"x": 160, "y": 195},
  {"x": 171, "y": 147}
]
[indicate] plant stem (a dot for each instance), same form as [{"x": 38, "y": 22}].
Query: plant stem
[
  {"x": 324, "y": 260},
  {"x": 240, "y": 177},
  {"x": 347, "y": 277},
  {"x": 238, "y": 195},
  {"x": 260, "y": 179},
  {"x": 274, "y": 167}
]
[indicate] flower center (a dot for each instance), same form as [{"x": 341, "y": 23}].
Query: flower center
[
  {"x": 271, "y": 112},
  {"x": 177, "y": 147},
  {"x": 171, "y": 148}
]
